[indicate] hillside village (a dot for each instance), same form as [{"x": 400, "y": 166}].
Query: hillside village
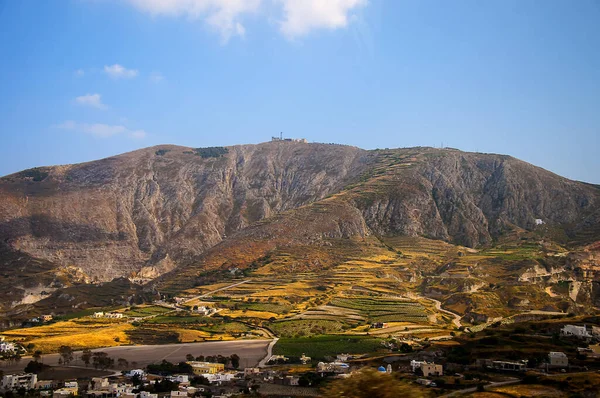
[{"x": 434, "y": 367}]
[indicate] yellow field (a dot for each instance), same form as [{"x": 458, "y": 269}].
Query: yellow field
[
  {"x": 190, "y": 335},
  {"x": 76, "y": 335}
]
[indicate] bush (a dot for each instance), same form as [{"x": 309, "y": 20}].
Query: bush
[{"x": 211, "y": 152}]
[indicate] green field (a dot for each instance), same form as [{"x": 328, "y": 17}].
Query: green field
[
  {"x": 384, "y": 310},
  {"x": 318, "y": 347},
  {"x": 302, "y": 327}
]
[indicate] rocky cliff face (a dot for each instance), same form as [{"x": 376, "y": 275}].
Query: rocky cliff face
[
  {"x": 114, "y": 216},
  {"x": 147, "y": 212}
]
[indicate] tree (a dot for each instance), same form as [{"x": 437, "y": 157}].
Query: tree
[
  {"x": 189, "y": 357},
  {"x": 86, "y": 356},
  {"x": 35, "y": 367},
  {"x": 369, "y": 383},
  {"x": 66, "y": 353},
  {"x": 37, "y": 355},
  {"x": 235, "y": 361},
  {"x": 102, "y": 361},
  {"x": 122, "y": 363}
]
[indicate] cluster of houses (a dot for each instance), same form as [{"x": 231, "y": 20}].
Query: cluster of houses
[
  {"x": 6, "y": 348},
  {"x": 41, "y": 319},
  {"x": 206, "y": 311},
  {"x": 584, "y": 332},
  {"x": 109, "y": 315}
]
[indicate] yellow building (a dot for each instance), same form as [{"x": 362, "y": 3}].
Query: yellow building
[{"x": 203, "y": 368}]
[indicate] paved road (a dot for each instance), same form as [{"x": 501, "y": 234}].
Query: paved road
[
  {"x": 263, "y": 362},
  {"x": 214, "y": 291},
  {"x": 486, "y": 387},
  {"x": 250, "y": 352}
]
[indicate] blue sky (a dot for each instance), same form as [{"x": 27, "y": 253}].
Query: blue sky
[{"x": 86, "y": 79}]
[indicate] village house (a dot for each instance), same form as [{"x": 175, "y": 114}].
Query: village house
[
  {"x": 16, "y": 381},
  {"x": 46, "y": 318},
  {"x": 558, "y": 359},
  {"x": 379, "y": 325},
  {"x": 71, "y": 388},
  {"x": 427, "y": 368},
  {"x": 251, "y": 372},
  {"x": 113, "y": 315},
  {"x": 514, "y": 366},
  {"x": 287, "y": 380},
  {"x": 6, "y": 347},
  {"x": 581, "y": 332},
  {"x": 204, "y": 368},
  {"x": 278, "y": 358},
  {"x": 304, "y": 359},
  {"x": 45, "y": 384},
  {"x": 136, "y": 372},
  {"x": 146, "y": 394},
  {"x": 218, "y": 378},
  {"x": 333, "y": 367},
  {"x": 179, "y": 394}
]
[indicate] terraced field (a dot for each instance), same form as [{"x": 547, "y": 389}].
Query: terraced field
[{"x": 384, "y": 310}]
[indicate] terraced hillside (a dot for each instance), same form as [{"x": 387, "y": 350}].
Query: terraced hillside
[{"x": 178, "y": 218}]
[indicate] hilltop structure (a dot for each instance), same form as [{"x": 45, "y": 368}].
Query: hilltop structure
[{"x": 280, "y": 138}]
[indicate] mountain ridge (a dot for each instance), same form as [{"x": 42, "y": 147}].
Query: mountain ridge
[{"x": 149, "y": 212}]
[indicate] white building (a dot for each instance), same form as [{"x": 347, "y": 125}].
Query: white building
[
  {"x": 428, "y": 368},
  {"x": 558, "y": 359},
  {"x": 136, "y": 372},
  {"x": 333, "y": 367},
  {"x": 7, "y": 347},
  {"x": 23, "y": 380},
  {"x": 179, "y": 394},
  {"x": 217, "y": 378},
  {"x": 182, "y": 379},
  {"x": 100, "y": 383},
  {"x": 578, "y": 331},
  {"x": 146, "y": 394}
]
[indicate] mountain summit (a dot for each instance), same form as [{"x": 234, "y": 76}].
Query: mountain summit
[{"x": 160, "y": 211}]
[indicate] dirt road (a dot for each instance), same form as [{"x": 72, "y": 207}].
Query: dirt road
[{"x": 249, "y": 351}]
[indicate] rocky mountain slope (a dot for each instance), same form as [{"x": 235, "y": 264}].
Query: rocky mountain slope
[{"x": 172, "y": 210}]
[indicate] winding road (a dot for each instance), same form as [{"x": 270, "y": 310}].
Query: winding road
[{"x": 438, "y": 306}]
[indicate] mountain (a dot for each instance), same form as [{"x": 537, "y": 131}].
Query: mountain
[{"x": 171, "y": 214}]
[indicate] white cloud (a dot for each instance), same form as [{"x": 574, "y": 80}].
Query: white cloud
[
  {"x": 117, "y": 71},
  {"x": 303, "y": 16},
  {"x": 101, "y": 130},
  {"x": 93, "y": 100},
  {"x": 156, "y": 77},
  {"x": 299, "y": 18},
  {"x": 222, "y": 15},
  {"x": 79, "y": 73}
]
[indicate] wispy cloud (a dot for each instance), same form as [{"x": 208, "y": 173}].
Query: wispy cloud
[
  {"x": 303, "y": 16},
  {"x": 101, "y": 130},
  {"x": 156, "y": 77},
  {"x": 79, "y": 73},
  {"x": 222, "y": 15},
  {"x": 92, "y": 100},
  {"x": 117, "y": 71}
]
